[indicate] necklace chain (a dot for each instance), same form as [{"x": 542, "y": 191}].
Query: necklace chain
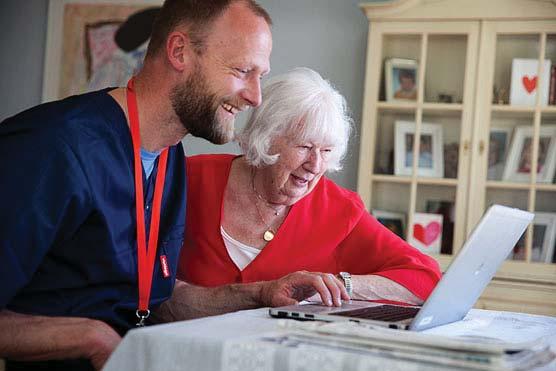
[
  {"x": 260, "y": 197},
  {"x": 268, "y": 235}
]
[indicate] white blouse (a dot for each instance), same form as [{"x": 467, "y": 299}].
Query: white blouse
[{"x": 240, "y": 253}]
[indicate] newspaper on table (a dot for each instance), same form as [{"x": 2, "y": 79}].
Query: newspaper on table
[{"x": 465, "y": 352}]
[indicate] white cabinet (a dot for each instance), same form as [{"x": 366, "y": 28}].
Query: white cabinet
[{"x": 460, "y": 54}]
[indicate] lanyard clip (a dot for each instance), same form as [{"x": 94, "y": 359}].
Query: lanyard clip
[{"x": 142, "y": 315}]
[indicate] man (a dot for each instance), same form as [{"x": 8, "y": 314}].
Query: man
[{"x": 77, "y": 210}]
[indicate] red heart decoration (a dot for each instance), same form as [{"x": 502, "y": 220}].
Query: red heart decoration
[
  {"x": 427, "y": 235},
  {"x": 529, "y": 84}
]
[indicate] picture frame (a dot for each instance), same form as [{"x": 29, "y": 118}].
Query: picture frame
[
  {"x": 81, "y": 53},
  {"x": 447, "y": 209},
  {"x": 525, "y": 82},
  {"x": 402, "y": 83},
  {"x": 394, "y": 221},
  {"x": 544, "y": 237},
  {"x": 499, "y": 144},
  {"x": 431, "y": 152},
  {"x": 517, "y": 167},
  {"x": 426, "y": 232}
]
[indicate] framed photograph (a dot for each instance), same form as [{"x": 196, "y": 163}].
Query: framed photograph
[
  {"x": 499, "y": 144},
  {"x": 394, "y": 221},
  {"x": 94, "y": 44},
  {"x": 431, "y": 153},
  {"x": 544, "y": 240},
  {"x": 544, "y": 237},
  {"x": 518, "y": 164},
  {"x": 401, "y": 79},
  {"x": 426, "y": 232},
  {"x": 525, "y": 82},
  {"x": 451, "y": 160},
  {"x": 448, "y": 211}
]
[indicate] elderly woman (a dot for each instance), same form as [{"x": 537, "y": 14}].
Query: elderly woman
[{"x": 271, "y": 212}]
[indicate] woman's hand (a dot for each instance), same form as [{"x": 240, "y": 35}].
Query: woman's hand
[{"x": 298, "y": 286}]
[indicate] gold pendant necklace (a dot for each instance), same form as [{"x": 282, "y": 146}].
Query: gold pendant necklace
[{"x": 268, "y": 235}]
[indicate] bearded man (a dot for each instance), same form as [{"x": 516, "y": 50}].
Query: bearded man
[{"x": 94, "y": 196}]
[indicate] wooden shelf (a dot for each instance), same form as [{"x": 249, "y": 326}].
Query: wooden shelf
[
  {"x": 512, "y": 109},
  {"x": 391, "y": 178},
  {"x": 445, "y": 107},
  {"x": 546, "y": 187},
  {"x": 506, "y": 108},
  {"x": 513, "y": 270},
  {"x": 497, "y": 184},
  {"x": 395, "y": 106},
  {"x": 386, "y": 178},
  {"x": 428, "y": 107}
]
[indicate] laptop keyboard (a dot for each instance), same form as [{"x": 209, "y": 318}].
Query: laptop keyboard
[{"x": 388, "y": 313}]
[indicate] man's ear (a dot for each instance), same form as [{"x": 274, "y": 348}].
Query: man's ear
[{"x": 178, "y": 50}]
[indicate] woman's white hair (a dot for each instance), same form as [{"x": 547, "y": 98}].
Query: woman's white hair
[{"x": 302, "y": 104}]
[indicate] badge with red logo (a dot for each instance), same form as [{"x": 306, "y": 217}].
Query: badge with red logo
[{"x": 164, "y": 266}]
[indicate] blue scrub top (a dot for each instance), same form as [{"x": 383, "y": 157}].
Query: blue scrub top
[{"x": 67, "y": 220}]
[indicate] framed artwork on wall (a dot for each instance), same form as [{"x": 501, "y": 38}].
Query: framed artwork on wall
[
  {"x": 401, "y": 79},
  {"x": 92, "y": 45},
  {"x": 519, "y": 160},
  {"x": 431, "y": 153}
]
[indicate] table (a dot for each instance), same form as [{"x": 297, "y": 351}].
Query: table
[{"x": 233, "y": 342}]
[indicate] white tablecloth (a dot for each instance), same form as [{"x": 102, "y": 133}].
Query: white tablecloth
[{"x": 233, "y": 342}]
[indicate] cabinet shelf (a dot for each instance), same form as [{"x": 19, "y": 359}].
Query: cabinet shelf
[
  {"x": 395, "y": 106},
  {"x": 420, "y": 180},
  {"x": 506, "y": 108},
  {"x": 412, "y": 106},
  {"x": 546, "y": 187},
  {"x": 443, "y": 107},
  {"x": 496, "y": 184}
]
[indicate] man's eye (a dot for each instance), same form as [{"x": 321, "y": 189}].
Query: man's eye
[
  {"x": 242, "y": 70},
  {"x": 326, "y": 150}
]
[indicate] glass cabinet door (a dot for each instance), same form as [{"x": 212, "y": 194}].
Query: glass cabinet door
[
  {"x": 418, "y": 124},
  {"x": 519, "y": 130}
]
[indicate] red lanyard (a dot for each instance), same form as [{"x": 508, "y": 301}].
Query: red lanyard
[{"x": 145, "y": 258}]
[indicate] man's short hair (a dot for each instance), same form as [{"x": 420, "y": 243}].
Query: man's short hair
[{"x": 197, "y": 16}]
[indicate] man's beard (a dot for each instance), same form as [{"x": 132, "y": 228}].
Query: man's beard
[{"x": 196, "y": 109}]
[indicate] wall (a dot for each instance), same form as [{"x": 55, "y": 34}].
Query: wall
[
  {"x": 326, "y": 35},
  {"x": 23, "y": 40}
]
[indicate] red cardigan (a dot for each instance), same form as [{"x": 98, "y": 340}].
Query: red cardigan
[{"x": 328, "y": 230}]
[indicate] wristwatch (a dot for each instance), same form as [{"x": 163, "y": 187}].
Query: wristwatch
[{"x": 346, "y": 277}]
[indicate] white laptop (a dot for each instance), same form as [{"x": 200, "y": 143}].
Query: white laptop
[{"x": 458, "y": 290}]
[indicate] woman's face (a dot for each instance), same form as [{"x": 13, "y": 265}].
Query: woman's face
[{"x": 297, "y": 171}]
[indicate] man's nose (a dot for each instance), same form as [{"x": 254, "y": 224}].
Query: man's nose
[{"x": 252, "y": 92}]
